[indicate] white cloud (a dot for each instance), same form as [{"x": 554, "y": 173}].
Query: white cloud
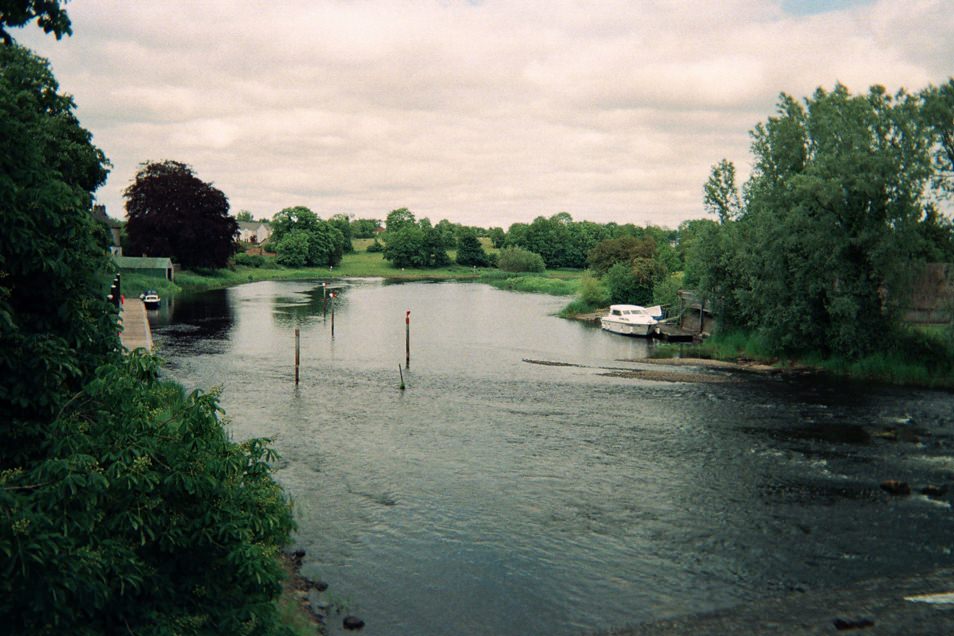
[{"x": 484, "y": 113}]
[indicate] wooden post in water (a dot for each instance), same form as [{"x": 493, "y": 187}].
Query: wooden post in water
[
  {"x": 407, "y": 340},
  {"x": 297, "y": 353},
  {"x": 324, "y": 299},
  {"x": 333, "y": 315},
  {"x": 402, "y": 377},
  {"x": 702, "y": 310}
]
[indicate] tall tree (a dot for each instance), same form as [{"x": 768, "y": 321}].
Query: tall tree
[
  {"x": 49, "y": 15},
  {"x": 301, "y": 238},
  {"x": 53, "y": 254},
  {"x": 470, "y": 251},
  {"x": 174, "y": 213},
  {"x": 830, "y": 228}
]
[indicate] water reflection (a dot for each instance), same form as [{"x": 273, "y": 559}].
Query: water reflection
[{"x": 298, "y": 308}]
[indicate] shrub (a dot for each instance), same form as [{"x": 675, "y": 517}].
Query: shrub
[
  {"x": 517, "y": 259},
  {"x": 249, "y": 260},
  {"x": 375, "y": 246}
]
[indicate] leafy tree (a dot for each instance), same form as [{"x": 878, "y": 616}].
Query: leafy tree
[
  {"x": 398, "y": 220},
  {"x": 325, "y": 243},
  {"x": 55, "y": 324},
  {"x": 174, "y": 213},
  {"x": 124, "y": 506},
  {"x": 364, "y": 228},
  {"x": 293, "y": 249},
  {"x": 405, "y": 247},
  {"x": 619, "y": 250},
  {"x": 470, "y": 251},
  {"x": 343, "y": 224},
  {"x": 497, "y": 237},
  {"x": 244, "y": 216},
  {"x": 517, "y": 259},
  {"x": 832, "y": 222},
  {"x": 623, "y": 285},
  {"x": 49, "y": 15},
  {"x": 721, "y": 194}
]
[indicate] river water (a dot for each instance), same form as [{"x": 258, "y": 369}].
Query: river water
[{"x": 497, "y": 495}]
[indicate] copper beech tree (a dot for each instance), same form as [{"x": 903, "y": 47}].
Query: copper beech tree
[{"x": 174, "y": 213}]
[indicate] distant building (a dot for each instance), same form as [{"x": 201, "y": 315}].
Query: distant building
[
  {"x": 159, "y": 267},
  {"x": 113, "y": 225},
  {"x": 255, "y": 232}
]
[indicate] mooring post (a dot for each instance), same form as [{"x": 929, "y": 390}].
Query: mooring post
[
  {"x": 324, "y": 299},
  {"x": 407, "y": 339},
  {"x": 297, "y": 352},
  {"x": 702, "y": 309},
  {"x": 402, "y": 377},
  {"x": 333, "y": 315}
]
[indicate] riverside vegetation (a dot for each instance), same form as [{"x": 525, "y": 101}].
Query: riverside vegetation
[{"x": 124, "y": 505}]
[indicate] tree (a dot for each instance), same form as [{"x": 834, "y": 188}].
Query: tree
[
  {"x": 55, "y": 324},
  {"x": 124, "y": 506},
  {"x": 497, "y": 237},
  {"x": 398, "y": 220},
  {"x": 244, "y": 216},
  {"x": 325, "y": 243},
  {"x": 721, "y": 194},
  {"x": 174, "y": 213},
  {"x": 517, "y": 259},
  {"x": 470, "y": 251},
  {"x": 620, "y": 250},
  {"x": 831, "y": 228},
  {"x": 49, "y": 16},
  {"x": 343, "y": 224},
  {"x": 364, "y": 228}
]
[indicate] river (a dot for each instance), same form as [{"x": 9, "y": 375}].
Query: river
[{"x": 497, "y": 495}]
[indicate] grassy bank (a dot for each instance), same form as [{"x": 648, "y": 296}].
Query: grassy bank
[
  {"x": 912, "y": 357},
  {"x": 357, "y": 265}
]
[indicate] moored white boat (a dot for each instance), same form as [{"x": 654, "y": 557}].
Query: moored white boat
[
  {"x": 150, "y": 299},
  {"x": 631, "y": 320}
]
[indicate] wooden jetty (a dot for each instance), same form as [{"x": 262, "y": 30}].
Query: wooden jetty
[
  {"x": 668, "y": 332},
  {"x": 136, "y": 333}
]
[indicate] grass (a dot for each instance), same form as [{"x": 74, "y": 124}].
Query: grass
[
  {"x": 915, "y": 356},
  {"x": 359, "y": 264}
]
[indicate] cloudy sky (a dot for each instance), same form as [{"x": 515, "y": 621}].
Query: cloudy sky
[{"x": 484, "y": 112}]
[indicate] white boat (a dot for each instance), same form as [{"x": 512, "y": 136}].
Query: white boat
[
  {"x": 631, "y": 320},
  {"x": 150, "y": 299}
]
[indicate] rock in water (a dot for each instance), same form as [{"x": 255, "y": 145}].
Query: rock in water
[
  {"x": 352, "y": 622},
  {"x": 895, "y": 487}
]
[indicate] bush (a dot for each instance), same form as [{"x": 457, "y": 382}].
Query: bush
[
  {"x": 375, "y": 247},
  {"x": 249, "y": 260},
  {"x": 517, "y": 259},
  {"x": 143, "y": 518},
  {"x": 593, "y": 293}
]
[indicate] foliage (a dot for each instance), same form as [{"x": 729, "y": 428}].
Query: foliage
[
  {"x": 55, "y": 324},
  {"x": 49, "y": 15},
  {"x": 244, "y": 216},
  {"x": 124, "y": 507},
  {"x": 249, "y": 260},
  {"x": 414, "y": 244},
  {"x": 623, "y": 286},
  {"x": 364, "y": 228},
  {"x": 666, "y": 291},
  {"x": 343, "y": 224},
  {"x": 534, "y": 284},
  {"x": 470, "y": 251},
  {"x": 832, "y": 222},
  {"x": 625, "y": 249},
  {"x": 293, "y": 249},
  {"x": 497, "y": 237},
  {"x": 515, "y": 259},
  {"x": 142, "y": 517},
  {"x": 375, "y": 246},
  {"x": 302, "y": 239},
  {"x": 399, "y": 219},
  {"x": 174, "y": 213},
  {"x": 593, "y": 293}
]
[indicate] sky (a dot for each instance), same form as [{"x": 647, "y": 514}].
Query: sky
[{"x": 483, "y": 112}]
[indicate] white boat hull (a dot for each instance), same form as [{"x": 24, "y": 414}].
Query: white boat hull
[{"x": 627, "y": 328}]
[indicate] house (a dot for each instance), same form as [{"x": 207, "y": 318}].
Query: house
[
  {"x": 114, "y": 227},
  {"x": 256, "y": 232},
  {"x": 160, "y": 267}
]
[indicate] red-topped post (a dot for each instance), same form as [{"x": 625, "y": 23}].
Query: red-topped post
[{"x": 407, "y": 339}]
